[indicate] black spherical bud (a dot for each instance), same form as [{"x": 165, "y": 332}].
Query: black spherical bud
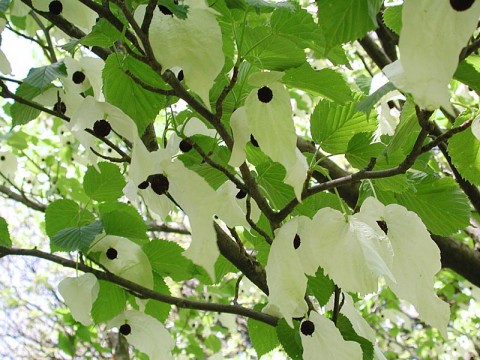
[
  {"x": 241, "y": 194},
  {"x": 180, "y": 75},
  {"x": 296, "y": 241},
  {"x": 253, "y": 141},
  {"x": 78, "y": 77},
  {"x": 60, "y": 107},
  {"x": 265, "y": 94},
  {"x": 185, "y": 145},
  {"x": 165, "y": 10},
  {"x": 55, "y": 7},
  {"x": 383, "y": 225},
  {"x": 307, "y": 328},
  {"x": 125, "y": 329},
  {"x": 461, "y": 5},
  {"x": 159, "y": 183},
  {"x": 102, "y": 128},
  {"x": 2, "y": 158},
  {"x": 112, "y": 253},
  {"x": 143, "y": 185}
]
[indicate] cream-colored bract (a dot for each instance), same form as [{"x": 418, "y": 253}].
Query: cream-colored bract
[
  {"x": 416, "y": 260},
  {"x": 5, "y": 67},
  {"x": 431, "y": 39},
  {"x": 147, "y": 334},
  {"x": 130, "y": 262},
  {"x": 79, "y": 294},
  {"x": 8, "y": 165},
  {"x": 194, "y": 44},
  {"x": 92, "y": 68},
  {"x": 476, "y": 127},
  {"x": 326, "y": 342}
]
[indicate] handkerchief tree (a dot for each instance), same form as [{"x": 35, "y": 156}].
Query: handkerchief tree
[{"x": 247, "y": 176}]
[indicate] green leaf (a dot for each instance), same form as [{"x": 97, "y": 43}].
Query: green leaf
[
  {"x": 167, "y": 260},
  {"x": 464, "y": 148},
  {"x": 290, "y": 339},
  {"x": 62, "y": 214},
  {"x": 468, "y": 72},
  {"x": 321, "y": 287},
  {"x": 44, "y": 75},
  {"x": 264, "y": 337},
  {"x": 407, "y": 130},
  {"x": 213, "y": 343},
  {"x": 366, "y": 104},
  {"x": 348, "y": 333},
  {"x": 440, "y": 203},
  {"x": 106, "y": 185},
  {"x": 103, "y": 34},
  {"x": 77, "y": 238},
  {"x": 110, "y": 302},
  {"x": 392, "y": 17},
  {"x": 347, "y": 20},
  {"x": 123, "y": 220},
  {"x": 332, "y": 125},
  {"x": 157, "y": 309},
  {"x": 270, "y": 178},
  {"x": 296, "y": 25},
  {"x": 269, "y": 5},
  {"x": 4, "y": 4},
  {"x": 4, "y": 234},
  {"x": 120, "y": 90},
  {"x": 22, "y": 114},
  {"x": 180, "y": 11},
  {"x": 326, "y": 82},
  {"x": 312, "y": 204}
]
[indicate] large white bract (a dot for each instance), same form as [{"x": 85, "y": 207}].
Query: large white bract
[
  {"x": 432, "y": 36},
  {"x": 476, "y": 127}
]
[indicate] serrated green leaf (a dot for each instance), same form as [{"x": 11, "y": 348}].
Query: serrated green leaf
[
  {"x": 62, "y": 214},
  {"x": 77, "y": 238},
  {"x": 321, "y": 286},
  {"x": 103, "y": 34},
  {"x": 270, "y": 178},
  {"x": 44, "y": 75},
  {"x": 290, "y": 339},
  {"x": 4, "y": 4},
  {"x": 326, "y": 82},
  {"x": 125, "y": 222},
  {"x": 464, "y": 148},
  {"x": 4, "y": 234},
  {"x": 468, "y": 72},
  {"x": 294, "y": 24},
  {"x": 22, "y": 114},
  {"x": 348, "y": 333},
  {"x": 440, "y": 203},
  {"x": 110, "y": 302},
  {"x": 269, "y": 5},
  {"x": 264, "y": 337},
  {"x": 347, "y": 20},
  {"x": 332, "y": 125},
  {"x": 178, "y": 10},
  {"x": 157, "y": 309},
  {"x": 392, "y": 17},
  {"x": 167, "y": 260},
  {"x": 407, "y": 130},
  {"x": 120, "y": 89},
  {"x": 106, "y": 185}
]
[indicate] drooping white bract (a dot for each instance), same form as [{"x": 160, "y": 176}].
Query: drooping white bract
[
  {"x": 388, "y": 118},
  {"x": 351, "y": 251},
  {"x": 432, "y": 36},
  {"x": 5, "y": 67},
  {"x": 89, "y": 112},
  {"x": 416, "y": 260},
  {"x": 194, "y": 44},
  {"x": 53, "y": 96},
  {"x": 79, "y": 294},
  {"x": 326, "y": 341},
  {"x": 195, "y": 126},
  {"x": 147, "y": 334},
  {"x": 285, "y": 270},
  {"x": 268, "y": 116},
  {"x": 92, "y": 69},
  {"x": 8, "y": 165},
  {"x": 124, "y": 258},
  {"x": 476, "y": 127},
  {"x": 73, "y": 11}
]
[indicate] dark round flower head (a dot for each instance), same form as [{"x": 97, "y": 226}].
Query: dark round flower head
[
  {"x": 102, "y": 128},
  {"x": 461, "y": 5},
  {"x": 112, "y": 253},
  {"x": 159, "y": 183},
  {"x": 143, "y": 185},
  {"x": 185, "y": 145},
  {"x": 2, "y": 158},
  {"x": 60, "y": 107},
  {"x": 78, "y": 77},
  {"x": 55, "y": 7},
  {"x": 165, "y": 10},
  {"x": 253, "y": 141},
  {"x": 265, "y": 94},
  {"x": 307, "y": 328},
  {"x": 296, "y": 241},
  {"x": 180, "y": 75},
  {"x": 125, "y": 329},
  {"x": 241, "y": 194}
]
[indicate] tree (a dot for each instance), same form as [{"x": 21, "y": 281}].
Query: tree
[{"x": 240, "y": 176}]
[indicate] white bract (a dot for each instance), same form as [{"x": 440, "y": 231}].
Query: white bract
[
  {"x": 5, "y": 67},
  {"x": 79, "y": 294},
  {"x": 8, "y": 165},
  {"x": 194, "y": 44},
  {"x": 476, "y": 127},
  {"x": 326, "y": 341},
  {"x": 432, "y": 36},
  {"x": 415, "y": 263},
  {"x": 91, "y": 68},
  {"x": 124, "y": 258},
  {"x": 147, "y": 334}
]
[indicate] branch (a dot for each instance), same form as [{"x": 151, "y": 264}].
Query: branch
[
  {"x": 22, "y": 199},
  {"x": 147, "y": 87},
  {"x": 374, "y": 51},
  {"x": 144, "y": 292},
  {"x": 168, "y": 228}
]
